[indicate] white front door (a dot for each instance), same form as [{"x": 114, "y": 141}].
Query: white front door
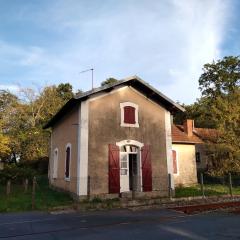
[{"x": 124, "y": 172}]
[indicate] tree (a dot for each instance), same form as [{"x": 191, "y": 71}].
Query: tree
[
  {"x": 65, "y": 91},
  {"x": 23, "y": 119},
  {"x": 4, "y": 143},
  {"x": 221, "y": 78},
  {"x": 109, "y": 81},
  {"x": 220, "y": 86},
  {"x": 199, "y": 111}
]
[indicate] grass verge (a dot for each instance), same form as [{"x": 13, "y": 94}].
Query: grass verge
[
  {"x": 209, "y": 190},
  {"x": 45, "y": 198}
]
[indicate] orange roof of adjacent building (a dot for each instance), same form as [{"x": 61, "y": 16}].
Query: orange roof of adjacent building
[
  {"x": 187, "y": 133},
  {"x": 179, "y": 136}
]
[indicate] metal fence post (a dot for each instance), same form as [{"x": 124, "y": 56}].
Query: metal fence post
[
  {"x": 202, "y": 186},
  {"x": 230, "y": 184},
  {"x": 170, "y": 185},
  {"x": 33, "y": 192},
  {"x": 8, "y": 191}
]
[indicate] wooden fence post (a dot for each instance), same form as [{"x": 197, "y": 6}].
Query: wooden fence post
[
  {"x": 202, "y": 186},
  {"x": 26, "y": 185},
  {"x": 230, "y": 184},
  {"x": 33, "y": 192},
  {"x": 8, "y": 189}
]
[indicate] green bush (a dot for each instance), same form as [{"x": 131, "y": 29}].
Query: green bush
[
  {"x": 15, "y": 173},
  {"x": 40, "y": 165}
]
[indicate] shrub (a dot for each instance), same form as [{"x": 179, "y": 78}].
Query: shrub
[
  {"x": 15, "y": 173},
  {"x": 40, "y": 165}
]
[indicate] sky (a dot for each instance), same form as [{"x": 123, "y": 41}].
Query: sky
[{"x": 164, "y": 42}]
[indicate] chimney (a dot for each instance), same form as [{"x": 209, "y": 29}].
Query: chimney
[{"x": 188, "y": 127}]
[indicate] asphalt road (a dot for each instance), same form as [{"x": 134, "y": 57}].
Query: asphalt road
[{"x": 120, "y": 224}]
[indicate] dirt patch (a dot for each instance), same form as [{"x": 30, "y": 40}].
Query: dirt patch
[{"x": 207, "y": 207}]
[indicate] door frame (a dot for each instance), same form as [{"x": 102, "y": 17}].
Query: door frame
[{"x": 137, "y": 144}]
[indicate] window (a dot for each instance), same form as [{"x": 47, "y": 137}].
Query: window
[
  {"x": 67, "y": 162},
  {"x": 55, "y": 163},
  {"x": 175, "y": 162},
  {"x": 198, "y": 157},
  {"x": 129, "y": 114},
  {"x": 124, "y": 164}
]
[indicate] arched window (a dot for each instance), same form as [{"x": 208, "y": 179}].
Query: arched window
[
  {"x": 68, "y": 161},
  {"x": 55, "y": 163},
  {"x": 129, "y": 114}
]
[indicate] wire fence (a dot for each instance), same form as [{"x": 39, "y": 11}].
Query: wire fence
[
  {"x": 30, "y": 194},
  {"x": 37, "y": 193},
  {"x": 212, "y": 186}
]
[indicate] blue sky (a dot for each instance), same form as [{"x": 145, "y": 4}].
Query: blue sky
[{"x": 164, "y": 42}]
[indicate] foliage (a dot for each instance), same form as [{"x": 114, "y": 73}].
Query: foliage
[
  {"x": 23, "y": 119},
  {"x": 220, "y": 86},
  {"x": 109, "y": 81},
  {"x": 64, "y": 91},
  {"x": 219, "y": 107},
  {"x": 199, "y": 111},
  {"x": 15, "y": 173},
  {"x": 4, "y": 143},
  {"x": 220, "y": 78},
  {"x": 40, "y": 165}
]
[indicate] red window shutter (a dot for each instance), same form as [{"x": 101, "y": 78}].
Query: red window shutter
[
  {"x": 146, "y": 168},
  {"x": 67, "y": 162},
  {"x": 174, "y": 156},
  {"x": 129, "y": 115},
  {"x": 114, "y": 169}
]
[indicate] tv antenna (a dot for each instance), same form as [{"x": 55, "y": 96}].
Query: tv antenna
[{"x": 87, "y": 70}]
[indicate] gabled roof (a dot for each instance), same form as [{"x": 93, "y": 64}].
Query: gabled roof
[
  {"x": 179, "y": 136},
  {"x": 135, "y": 82}
]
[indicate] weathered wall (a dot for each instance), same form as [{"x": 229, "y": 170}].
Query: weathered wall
[
  {"x": 64, "y": 132},
  {"x": 104, "y": 128},
  {"x": 187, "y": 172}
]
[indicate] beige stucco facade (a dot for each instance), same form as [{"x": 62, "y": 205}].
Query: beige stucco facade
[
  {"x": 104, "y": 129},
  {"x": 64, "y": 133},
  {"x": 90, "y": 135},
  {"x": 186, "y": 164}
]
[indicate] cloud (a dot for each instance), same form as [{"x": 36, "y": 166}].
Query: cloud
[
  {"x": 11, "y": 88},
  {"x": 164, "y": 42}
]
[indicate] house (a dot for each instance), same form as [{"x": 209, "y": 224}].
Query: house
[
  {"x": 114, "y": 139},
  {"x": 190, "y": 151},
  {"x": 185, "y": 145},
  {"x": 208, "y": 136}
]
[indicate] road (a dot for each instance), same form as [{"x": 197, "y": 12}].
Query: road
[{"x": 120, "y": 224}]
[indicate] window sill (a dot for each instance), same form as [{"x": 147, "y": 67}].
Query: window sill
[
  {"x": 136, "y": 125},
  {"x": 67, "y": 179}
]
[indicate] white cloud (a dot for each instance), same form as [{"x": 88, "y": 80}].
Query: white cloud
[
  {"x": 164, "y": 42},
  {"x": 10, "y": 87}
]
